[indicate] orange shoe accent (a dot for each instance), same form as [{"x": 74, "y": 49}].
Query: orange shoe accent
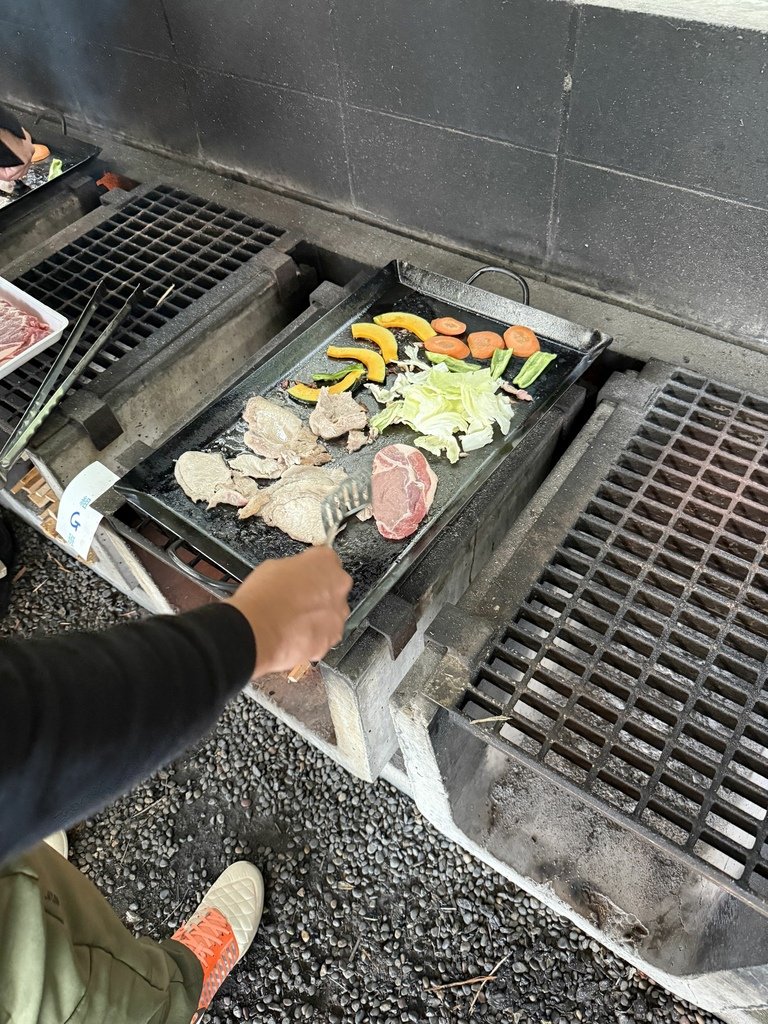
[{"x": 212, "y": 941}]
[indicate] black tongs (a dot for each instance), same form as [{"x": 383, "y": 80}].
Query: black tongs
[{"x": 49, "y": 394}]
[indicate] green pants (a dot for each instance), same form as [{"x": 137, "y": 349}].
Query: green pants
[{"x": 65, "y": 956}]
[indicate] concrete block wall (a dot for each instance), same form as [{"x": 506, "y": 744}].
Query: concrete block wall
[{"x": 619, "y": 149}]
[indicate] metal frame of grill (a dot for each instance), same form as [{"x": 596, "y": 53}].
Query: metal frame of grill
[{"x": 591, "y": 718}]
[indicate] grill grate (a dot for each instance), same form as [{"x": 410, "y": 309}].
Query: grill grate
[
  {"x": 164, "y": 237},
  {"x": 636, "y": 667}
]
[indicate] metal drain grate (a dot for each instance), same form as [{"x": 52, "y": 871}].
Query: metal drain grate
[
  {"x": 164, "y": 237},
  {"x": 636, "y": 667}
]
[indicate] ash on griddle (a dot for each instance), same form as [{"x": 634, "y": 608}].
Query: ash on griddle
[{"x": 417, "y": 304}]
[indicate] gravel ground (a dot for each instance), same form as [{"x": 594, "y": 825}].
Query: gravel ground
[{"x": 369, "y": 910}]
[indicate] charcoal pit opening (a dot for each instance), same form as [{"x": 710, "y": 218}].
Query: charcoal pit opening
[
  {"x": 161, "y": 238},
  {"x": 636, "y": 666}
]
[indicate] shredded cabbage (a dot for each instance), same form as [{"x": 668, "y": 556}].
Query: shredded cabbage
[
  {"x": 438, "y": 445},
  {"x": 451, "y": 412}
]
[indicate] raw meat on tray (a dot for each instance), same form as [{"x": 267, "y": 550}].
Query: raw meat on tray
[{"x": 18, "y": 330}]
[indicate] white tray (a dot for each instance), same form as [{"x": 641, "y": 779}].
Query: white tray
[{"x": 49, "y": 316}]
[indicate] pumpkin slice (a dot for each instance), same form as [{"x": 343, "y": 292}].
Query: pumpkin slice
[
  {"x": 372, "y": 361},
  {"x": 380, "y": 336},
  {"x": 415, "y": 324},
  {"x": 309, "y": 395}
]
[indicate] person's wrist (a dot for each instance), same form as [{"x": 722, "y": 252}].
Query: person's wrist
[{"x": 263, "y": 634}]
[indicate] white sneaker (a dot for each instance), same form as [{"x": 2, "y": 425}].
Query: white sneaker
[
  {"x": 224, "y": 925},
  {"x": 59, "y": 842}
]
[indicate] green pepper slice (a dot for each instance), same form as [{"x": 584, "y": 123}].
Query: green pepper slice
[{"x": 533, "y": 367}]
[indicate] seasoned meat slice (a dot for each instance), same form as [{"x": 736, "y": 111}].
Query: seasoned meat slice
[
  {"x": 356, "y": 440},
  {"x": 18, "y": 330},
  {"x": 293, "y": 504},
  {"x": 226, "y": 494},
  {"x": 237, "y": 493},
  {"x": 258, "y": 468},
  {"x": 277, "y": 433},
  {"x": 335, "y": 415},
  {"x": 245, "y": 484},
  {"x": 199, "y": 474}
]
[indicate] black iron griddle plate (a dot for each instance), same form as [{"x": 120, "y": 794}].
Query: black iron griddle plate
[
  {"x": 374, "y": 563},
  {"x": 72, "y": 153}
]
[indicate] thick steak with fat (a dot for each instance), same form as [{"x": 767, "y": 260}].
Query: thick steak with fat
[{"x": 403, "y": 486}]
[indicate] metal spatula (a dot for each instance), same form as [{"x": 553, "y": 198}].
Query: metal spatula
[{"x": 351, "y": 496}]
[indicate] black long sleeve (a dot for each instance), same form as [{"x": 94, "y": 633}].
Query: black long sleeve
[
  {"x": 10, "y": 123},
  {"x": 83, "y": 717}
]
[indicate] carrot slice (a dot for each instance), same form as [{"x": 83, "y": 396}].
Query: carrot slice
[
  {"x": 482, "y": 344},
  {"x": 446, "y": 325},
  {"x": 521, "y": 340},
  {"x": 447, "y": 346}
]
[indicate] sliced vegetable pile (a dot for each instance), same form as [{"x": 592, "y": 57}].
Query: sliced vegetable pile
[
  {"x": 453, "y": 404},
  {"x": 368, "y": 364}
]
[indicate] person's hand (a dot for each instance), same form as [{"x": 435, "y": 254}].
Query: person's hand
[
  {"x": 296, "y": 607},
  {"x": 22, "y": 148}
]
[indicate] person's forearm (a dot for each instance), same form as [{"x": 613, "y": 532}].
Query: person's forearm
[
  {"x": 83, "y": 717},
  {"x": 10, "y": 123}
]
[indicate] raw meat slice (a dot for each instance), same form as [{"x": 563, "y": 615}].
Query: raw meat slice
[
  {"x": 403, "y": 487},
  {"x": 294, "y": 503},
  {"x": 199, "y": 474},
  {"x": 259, "y": 469},
  {"x": 518, "y": 393},
  {"x": 356, "y": 440},
  {"x": 277, "y": 433},
  {"x": 335, "y": 415},
  {"x": 18, "y": 330}
]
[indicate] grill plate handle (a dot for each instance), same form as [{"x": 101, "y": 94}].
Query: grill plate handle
[
  {"x": 507, "y": 273},
  {"x": 52, "y": 115},
  {"x": 224, "y": 589},
  {"x": 168, "y": 556}
]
